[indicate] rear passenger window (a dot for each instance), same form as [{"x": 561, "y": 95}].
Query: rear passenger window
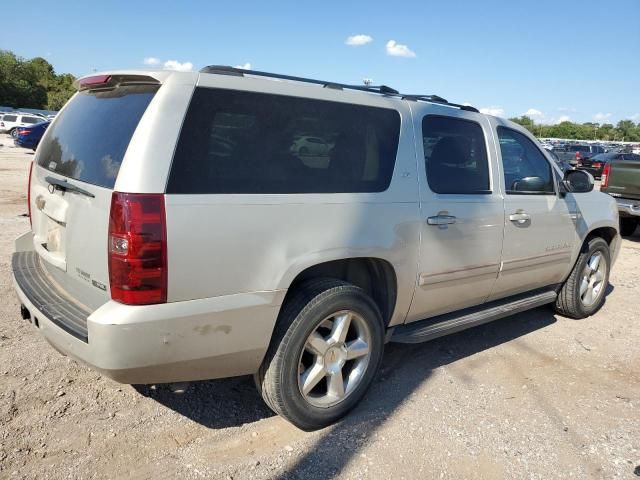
[
  {"x": 246, "y": 142},
  {"x": 9, "y": 118},
  {"x": 526, "y": 170},
  {"x": 31, "y": 120},
  {"x": 455, "y": 155}
]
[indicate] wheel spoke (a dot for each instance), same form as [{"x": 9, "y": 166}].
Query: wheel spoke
[
  {"x": 316, "y": 344},
  {"x": 598, "y": 277},
  {"x": 594, "y": 262},
  {"x": 340, "y": 328},
  {"x": 588, "y": 296},
  {"x": 357, "y": 348},
  {"x": 311, "y": 377},
  {"x": 584, "y": 285},
  {"x": 336, "y": 385}
]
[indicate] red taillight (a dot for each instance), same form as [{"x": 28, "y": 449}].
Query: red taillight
[
  {"x": 604, "y": 178},
  {"x": 29, "y": 194},
  {"x": 23, "y": 132},
  {"x": 596, "y": 165},
  {"x": 93, "y": 81},
  {"x": 138, "y": 248}
]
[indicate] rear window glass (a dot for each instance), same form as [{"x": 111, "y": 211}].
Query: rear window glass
[
  {"x": 9, "y": 118},
  {"x": 91, "y": 135},
  {"x": 245, "y": 142}
]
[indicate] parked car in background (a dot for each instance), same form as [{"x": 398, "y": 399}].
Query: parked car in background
[
  {"x": 29, "y": 137},
  {"x": 310, "y": 145},
  {"x": 12, "y": 121},
  {"x": 621, "y": 180},
  {"x": 575, "y": 154},
  {"x": 156, "y": 258},
  {"x": 563, "y": 164}
]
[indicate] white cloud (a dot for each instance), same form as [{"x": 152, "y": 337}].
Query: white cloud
[
  {"x": 532, "y": 112},
  {"x": 635, "y": 117},
  {"x": 495, "y": 111},
  {"x": 396, "y": 50},
  {"x": 177, "y": 66},
  {"x": 246, "y": 66},
  {"x": 601, "y": 117},
  {"x": 151, "y": 61},
  {"x": 562, "y": 118},
  {"x": 357, "y": 40}
]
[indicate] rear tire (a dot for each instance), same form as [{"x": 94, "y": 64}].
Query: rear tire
[
  {"x": 628, "y": 226},
  {"x": 583, "y": 293},
  {"x": 13, "y": 132},
  {"x": 328, "y": 343}
]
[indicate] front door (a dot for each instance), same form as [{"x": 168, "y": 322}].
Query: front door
[
  {"x": 538, "y": 228},
  {"x": 462, "y": 214}
]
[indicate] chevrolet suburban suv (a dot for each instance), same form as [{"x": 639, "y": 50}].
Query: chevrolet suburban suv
[{"x": 176, "y": 235}]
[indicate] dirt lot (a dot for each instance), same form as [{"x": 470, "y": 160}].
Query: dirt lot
[{"x": 531, "y": 396}]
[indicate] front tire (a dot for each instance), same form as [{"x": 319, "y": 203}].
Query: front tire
[
  {"x": 583, "y": 293},
  {"x": 628, "y": 226},
  {"x": 324, "y": 354}
]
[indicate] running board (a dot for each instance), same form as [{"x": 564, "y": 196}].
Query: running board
[{"x": 425, "y": 330}]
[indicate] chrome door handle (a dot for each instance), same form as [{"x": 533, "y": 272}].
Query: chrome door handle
[
  {"x": 520, "y": 217},
  {"x": 442, "y": 219}
]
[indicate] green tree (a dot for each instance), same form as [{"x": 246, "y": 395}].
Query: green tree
[{"x": 32, "y": 83}]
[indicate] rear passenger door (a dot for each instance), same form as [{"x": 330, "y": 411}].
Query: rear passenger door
[
  {"x": 462, "y": 214},
  {"x": 538, "y": 229}
]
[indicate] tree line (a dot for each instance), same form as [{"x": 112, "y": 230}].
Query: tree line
[
  {"x": 32, "y": 83},
  {"x": 624, "y": 130}
]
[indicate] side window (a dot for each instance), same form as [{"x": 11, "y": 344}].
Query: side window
[
  {"x": 526, "y": 170},
  {"x": 246, "y": 142},
  {"x": 30, "y": 120},
  {"x": 455, "y": 155},
  {"x": 9, "y": 118}
]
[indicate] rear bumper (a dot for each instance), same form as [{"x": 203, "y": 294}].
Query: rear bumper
[
  {"x": 181, "y": 341},
  {"x": 628, "y": 208}
]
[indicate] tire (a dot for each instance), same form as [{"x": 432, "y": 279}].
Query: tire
[
  {"x": 318, "y": 307},
  {"x": 573, "y": 300},
  {"x": 13, "y": 132},
  {"x": 628, "y": 226}
]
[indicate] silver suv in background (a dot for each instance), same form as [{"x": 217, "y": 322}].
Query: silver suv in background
[
  {"x": 178, "y": 232},
  {"x": 10, "y": 122}
]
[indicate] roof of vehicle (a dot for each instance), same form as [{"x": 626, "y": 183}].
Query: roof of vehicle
[
  {"x": 604, "y": 156},
  {"x": 299, "y": 86}
]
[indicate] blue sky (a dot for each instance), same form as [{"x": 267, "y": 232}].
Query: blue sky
[{"x": 562, "y": 59}]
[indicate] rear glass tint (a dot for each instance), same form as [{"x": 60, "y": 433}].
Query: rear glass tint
[
  {"x": 32, "y": 120},
  {"x": 90, "y": 136},
  {"x": 246, "y": 142},
  {"x": 9, "y": 118}
]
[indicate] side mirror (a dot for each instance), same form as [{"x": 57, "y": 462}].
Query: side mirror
[{"x": 577, "y": 181}]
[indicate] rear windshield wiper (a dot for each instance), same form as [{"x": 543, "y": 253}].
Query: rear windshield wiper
[{"x": 64, "y": 185}]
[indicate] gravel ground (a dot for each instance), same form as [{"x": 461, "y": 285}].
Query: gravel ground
[{"x": 531, "y": 396}]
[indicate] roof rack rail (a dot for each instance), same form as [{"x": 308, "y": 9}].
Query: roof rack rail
[
  {"x": 381, "y": 89},
  {"x": 226, "y": 70}
]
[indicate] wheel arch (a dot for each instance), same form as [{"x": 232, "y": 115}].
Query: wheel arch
[{"x": 376, "y": 276}]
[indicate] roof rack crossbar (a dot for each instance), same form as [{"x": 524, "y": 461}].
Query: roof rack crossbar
[{"x": 381, "y": 89}]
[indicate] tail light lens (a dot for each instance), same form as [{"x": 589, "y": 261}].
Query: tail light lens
[
  {"x": 604, "y": 178},
  {"x": 23, "y": 132},
  {"x": 29, "y": 194},
  {"x": 138, "y": 248},
  {"x": 596, "y": 165}
]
